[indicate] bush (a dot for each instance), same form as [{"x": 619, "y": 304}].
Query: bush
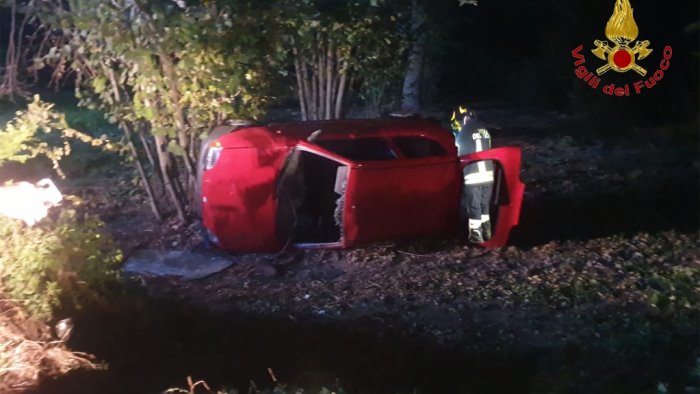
[
  {"x": 65, "y": 259},
  {"x": 40, "y": 131}
]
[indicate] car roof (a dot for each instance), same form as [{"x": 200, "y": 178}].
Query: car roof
[
  {"x": 290, "y": 133},
  {"x": 354, "y": 128}
]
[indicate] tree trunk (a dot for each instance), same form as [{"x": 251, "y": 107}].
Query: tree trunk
[
  {"x": 151, "y": 159},
  {"x": 334, "y": 82},
  {"x": 314, "y": 79},
  {"x": 411, "y": 85},
  {"x": 308, "y": 88},
  {"x": 165, "y": 168},
  {"x": 20, "y": 41},
  {"x": 341, "y": 89},
  {"x": 142, "y": 173},
  {"x": 321, "y": 75},
  {"x": 322, "y": 79},
  {"x": 126, "y": 128},
  {"x": 300, "y": 87},
  {"x": 180, "y": 122},
  {"x": 8, "y": 83},
  {"x": 329, "y": 78}
]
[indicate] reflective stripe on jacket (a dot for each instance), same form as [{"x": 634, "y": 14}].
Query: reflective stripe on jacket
[{"x": 473, "y": 137}]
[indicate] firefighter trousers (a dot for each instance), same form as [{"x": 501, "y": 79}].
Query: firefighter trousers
[{"x": 475, "y": 202}]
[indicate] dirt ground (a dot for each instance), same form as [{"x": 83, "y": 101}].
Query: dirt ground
[
  {"x": 602, "y": 278},
  {"x": 30, "y": 351}
]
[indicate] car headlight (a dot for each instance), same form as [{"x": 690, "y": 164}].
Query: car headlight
[{"x": 212, "y": 156}]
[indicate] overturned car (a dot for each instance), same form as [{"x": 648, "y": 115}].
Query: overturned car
[{"x": 341, "y": 183}]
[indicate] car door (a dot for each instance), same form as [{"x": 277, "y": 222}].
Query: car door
[
  {"x": 310, "y": 194},
  {"x": 508, "y": 189},
  {"x": 402, "y": 198}
]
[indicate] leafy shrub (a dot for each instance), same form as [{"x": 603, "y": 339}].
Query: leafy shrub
[
  {"x": 62, "y": 259},
  {"x": 20, "y": 139}
]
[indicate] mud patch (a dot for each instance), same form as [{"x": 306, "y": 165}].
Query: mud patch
[{"x": 184, "y": 265}]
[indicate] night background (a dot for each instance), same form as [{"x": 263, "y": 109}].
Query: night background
[
  {"x": 521, "y": 52},
  {"x": 118, "y": 102}
]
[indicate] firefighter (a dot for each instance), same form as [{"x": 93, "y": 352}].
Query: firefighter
[{"x": 471, "y": 136}]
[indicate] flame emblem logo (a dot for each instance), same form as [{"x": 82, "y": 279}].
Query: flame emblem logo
[{"x": 622, "y": 30}]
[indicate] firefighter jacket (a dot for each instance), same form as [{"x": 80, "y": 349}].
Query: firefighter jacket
[{"x": 473, "y": 137}]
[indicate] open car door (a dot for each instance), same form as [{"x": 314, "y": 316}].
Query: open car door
[
  {"x": 310, "y": 194},
  {"x": 507, "y": 194}
]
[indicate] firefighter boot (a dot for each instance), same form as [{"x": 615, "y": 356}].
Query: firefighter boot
[
  {"x": 475, "y": 231},
  {"x": 486, "y": 230},
  {"x": 475, "y": 236}
]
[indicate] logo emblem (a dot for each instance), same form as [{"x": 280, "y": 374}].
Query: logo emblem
[
  {"x": 622, "y": 30},
  {"x": 621, "y": 55}
]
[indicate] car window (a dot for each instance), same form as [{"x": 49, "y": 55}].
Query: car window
[
  {"x": 419, "y": 147},
  {"x": 360, "y": 149}
]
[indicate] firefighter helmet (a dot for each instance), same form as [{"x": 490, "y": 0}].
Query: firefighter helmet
[{"x": 459, "y": 118}]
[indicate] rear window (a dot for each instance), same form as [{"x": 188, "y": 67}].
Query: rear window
[
  {"x": 419, "y": 147},
  {"x": 360, "y": 149}
]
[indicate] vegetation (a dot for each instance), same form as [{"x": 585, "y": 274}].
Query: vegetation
[
  {"x": 20, "y": 139},
  {"x": 65, "y": 259},
  {"x": 333, "y": 44},
  {"x": 167, "y": 72},
  {"x": 61, "y": 257}
]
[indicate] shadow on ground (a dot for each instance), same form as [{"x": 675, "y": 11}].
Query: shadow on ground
[
  {"x": 153, "y": 346},
  {"x": 156, "y": 346}
]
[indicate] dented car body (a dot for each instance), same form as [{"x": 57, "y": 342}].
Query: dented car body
[{"x": 342, "y": 183}]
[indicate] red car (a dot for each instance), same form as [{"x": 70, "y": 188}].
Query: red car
[{"x": 341, "y": 183}]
